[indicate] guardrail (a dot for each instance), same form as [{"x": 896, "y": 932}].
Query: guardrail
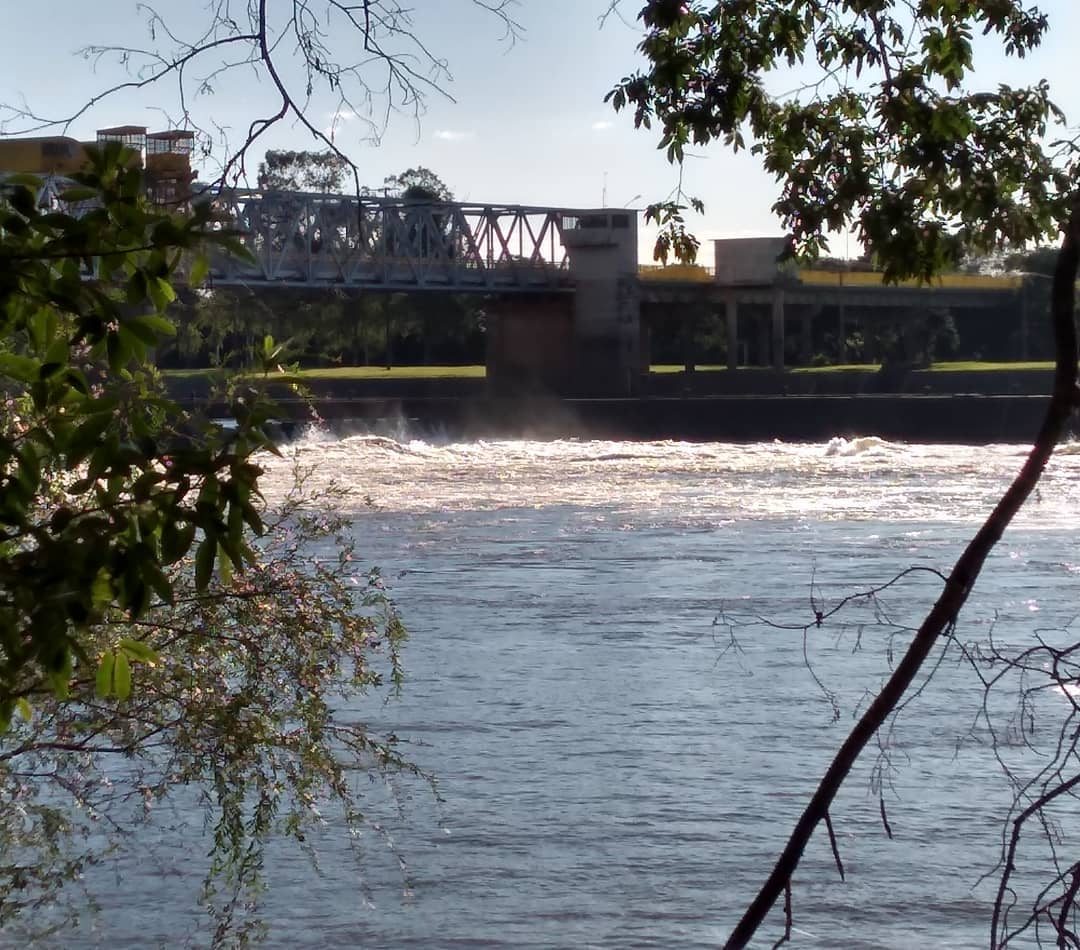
[
  {"x": 676, "y": 273},
  {"x": 838, "y": 278}
]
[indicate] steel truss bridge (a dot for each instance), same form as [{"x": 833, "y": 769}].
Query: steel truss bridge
[{"x": 308, "y": 240}]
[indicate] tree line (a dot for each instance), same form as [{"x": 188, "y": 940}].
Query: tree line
[{"x": 327, "y": 327}]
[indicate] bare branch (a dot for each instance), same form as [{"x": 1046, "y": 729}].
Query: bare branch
[
  {"x": 957, "y": 589},
  {"x": 835, "y": 847},
  {"x": 786, "y": 936},
  {"x": 884, "y": 817},
  {"x": 366, "y": 54}
]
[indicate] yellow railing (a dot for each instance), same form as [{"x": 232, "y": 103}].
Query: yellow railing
[
  {"x": 830, "y": 278},
  {"x": 691, "y": 273},
  {"x": 696, "y": 273}
]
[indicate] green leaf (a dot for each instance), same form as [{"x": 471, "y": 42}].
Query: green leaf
[
  {"x": 161, "y": 292},
  {"x": 103, "y": 687},
  {"x": 24, "y": 709},
  {"x": 136, "y": 288},
  {"x": 138, "y": 650},
  {"x": 78, "y": 193},
  {"x": 224, "y": 565},
  {"x": 58, "y": 352},
  {"x": 204, "y": 563},
  {"x": 157, "y": 580},
  {"x": 101, "y": 591},
  {"x": 22, "y": 368},
  {"x": 159, "y": 325},
  {"x": 118, "y": 347},
  {"x": 200, "y": 269},
  {"x": 25, "y": 179},
  {"x": 84, "y": 439},
  {"x": 60, "y": 680},
  {"x": 121, "y": 675},
  {"x": 176, "y": 541},
  {"x": 76, "y": 380},
  {"x": 139, "y": 329}
]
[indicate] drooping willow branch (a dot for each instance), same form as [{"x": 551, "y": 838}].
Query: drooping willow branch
[{"x": 957, "y": 588}]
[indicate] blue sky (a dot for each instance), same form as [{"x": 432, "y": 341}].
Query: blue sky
[{"x": 527, "y": 123}]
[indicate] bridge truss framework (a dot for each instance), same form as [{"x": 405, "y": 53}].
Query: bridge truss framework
[{"x": 393, "y": 243}]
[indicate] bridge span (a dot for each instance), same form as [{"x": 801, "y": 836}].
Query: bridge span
[
  {"x": 565, "y": 287},
  {"x": 564, "y": 312},
  {"x": 396, "y": 244}
]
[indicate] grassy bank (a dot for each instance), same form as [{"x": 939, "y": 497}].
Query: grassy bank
[
  {"x": 349, "y": 373},
  {"x": 358, "y": 373},
  {"x": 968, "y": 366}
]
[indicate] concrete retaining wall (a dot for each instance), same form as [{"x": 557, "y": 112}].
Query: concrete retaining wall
[{"x": 959, "y": 419}]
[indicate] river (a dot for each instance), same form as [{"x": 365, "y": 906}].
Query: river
[{"x": 620, "y": 749}]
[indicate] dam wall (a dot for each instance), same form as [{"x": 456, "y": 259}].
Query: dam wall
[{"x": 464, "y": 409}]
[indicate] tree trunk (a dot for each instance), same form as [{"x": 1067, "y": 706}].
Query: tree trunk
[{"x": 955, "y": 594}]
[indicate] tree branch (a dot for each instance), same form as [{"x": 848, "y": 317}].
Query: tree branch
[
  {"x": 957, "y": 588},
  {"x": 325, "y": 37}
]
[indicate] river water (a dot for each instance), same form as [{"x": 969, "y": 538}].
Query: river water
[{"x": 620, "y": 748}]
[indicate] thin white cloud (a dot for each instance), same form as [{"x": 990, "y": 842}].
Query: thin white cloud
[
  {"x": 451, "y": 135},
  {"x": 602, "y": 126},
  {"x": 339, "y": 117}
]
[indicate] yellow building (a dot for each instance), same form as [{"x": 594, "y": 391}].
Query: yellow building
[{"x": 165, "y": 157}]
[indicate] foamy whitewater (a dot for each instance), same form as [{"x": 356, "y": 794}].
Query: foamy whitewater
[
  {"x": 613, "y": 770},
  {"x": 862, "y": 478}
]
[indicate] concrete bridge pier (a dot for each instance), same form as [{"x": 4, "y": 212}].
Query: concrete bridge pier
[
  {"x": 749, "y": 268},
  {"x": 687, "y": 332},
  {"x": 764, "y": 338},
  {"x": 586, "y": 340},
  {"x": 608, "y": 355}
]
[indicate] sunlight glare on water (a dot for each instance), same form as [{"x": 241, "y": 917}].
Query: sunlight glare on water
[{"x": 704, "y": 482}]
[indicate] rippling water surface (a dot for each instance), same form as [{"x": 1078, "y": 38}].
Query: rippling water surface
[{"x": 615, "y": 769}]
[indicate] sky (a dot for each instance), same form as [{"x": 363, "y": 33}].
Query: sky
[{"x": 522, "y": 121}]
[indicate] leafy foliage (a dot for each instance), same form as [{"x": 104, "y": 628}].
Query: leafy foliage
[
  {"x": 161, "y": 629},
  {"x": 104, "y": 483},
  {"x": 673, "y": 239},
  {"x": 884, "y": 134},
  {"x": 419, "y": 183},
  {"x": 238, "y": 682},
  {"x": 303, "y": 171}
]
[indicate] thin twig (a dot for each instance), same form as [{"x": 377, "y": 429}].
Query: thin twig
[
  {"x": 884, "y": 817},
  {"x": 835, "y": 847}
]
